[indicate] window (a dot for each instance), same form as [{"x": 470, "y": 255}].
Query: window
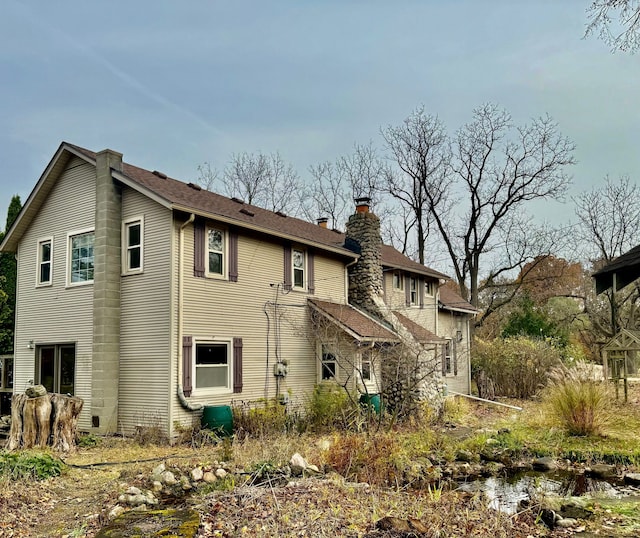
[
  {"x": 298, "y": 268},
  {"x": 366, "y": 366},
  {"x": 56, "y": 367},
  {"x": 212, "y": 365},
  {"x": 132, "y": 246},
  {"x": 448, "y": 349},
  {"x": 216, "y": 252},
  {"x": 329, "y": 366},
  {"x": 45, "y": 261},
  {"x": 398, "y": 281},
  {"x": 6, "y": 373},
  {"x": 428, "y": 287},
  {"x": 81, "y": 258},
  {"x": 413, "y": 291}
]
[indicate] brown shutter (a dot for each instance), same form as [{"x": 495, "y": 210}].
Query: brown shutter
[
  {"x": 198, "y": 248},
  {"x": 187, "y": 352},
  {"x": 454, "y": 352},
  {"x": 421, "y": 292},
  {"x": 233, "y": 256},
  {"x": 237, "y": 365},
  {"x": 287, "y": 267},
  {"x": 407, "y": 289},
  {"x": 311, "y": 277}
]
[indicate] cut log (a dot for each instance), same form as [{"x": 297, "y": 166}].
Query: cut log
[{"x": 49, "y": 420}]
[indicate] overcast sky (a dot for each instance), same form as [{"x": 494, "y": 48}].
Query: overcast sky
[{"x": 174, "y": 84}]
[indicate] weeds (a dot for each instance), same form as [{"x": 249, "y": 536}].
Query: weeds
[
  {"x": 580, "y": 403},
  {"x": 29, "y": 465}
]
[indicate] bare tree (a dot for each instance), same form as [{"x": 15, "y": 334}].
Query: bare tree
[
  {"x": 476, "y": 196},
  {"x": 609, "y": 225},
  {"x": 258, "y": 179},
  {"x": 616, "y": 22},
  {"x": 420, "y": 147},
  {"x": 609, "y": 218},
  {"x": 335, "y": 185}
]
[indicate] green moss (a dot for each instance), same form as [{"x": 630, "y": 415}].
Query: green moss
[{"x": 168, "y": 523}]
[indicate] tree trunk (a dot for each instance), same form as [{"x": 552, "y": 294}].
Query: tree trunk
[{"x": 49, "y": 420}]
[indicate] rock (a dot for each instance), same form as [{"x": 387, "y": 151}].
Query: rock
[
  {"x": 168, "y": 522},
  {"x": 133, "y": 491},
  {"x": 157, "y": 472},
  {"x": 464, "y": 455},
  {"x": 221, "y": 473},
  {"x": 601, "y": 470},
  {"x": 313, "y": 468},
  {"x": 184, "y": 482},
  {"x": 566, "y": 522},
  {"x": 168, "y": 478},
  {"x": 544, "y": 464},
  {"x": 209, "y": 477},
  {"x": 573, "y": 511},
  {"x": 157, "y": 486},
  {"x": 196, "y": 474},
  {"x": 410, "y": 526},
  {"x": 297, "y": 464},
  {"x": 116, "y": 511},
  {"x": 633, "y": 479}
]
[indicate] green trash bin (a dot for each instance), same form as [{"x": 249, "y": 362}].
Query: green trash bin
[
  {"x": 373, "y": 400},
  {"x": 218, "y": 418}
]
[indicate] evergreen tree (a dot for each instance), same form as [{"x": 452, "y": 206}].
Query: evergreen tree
[{"x": 8, "y": 277}]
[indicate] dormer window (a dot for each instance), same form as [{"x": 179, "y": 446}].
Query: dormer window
[
  {"x": 398, "y": 281},
  {"x": 413, "y": 291},
  {"x": 429, "y": 287}
]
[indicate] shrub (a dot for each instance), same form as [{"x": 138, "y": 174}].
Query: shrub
[
  {"x": 29, "y": 465},
  {"x": 579, "y": 402},
  {"x": 259, "y": 419},
  {"x": 330, "y": 407},
  {"x": 517, "y": 367}
]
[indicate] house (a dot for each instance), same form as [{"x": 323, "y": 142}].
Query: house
[{"x": 149, "y": 297}]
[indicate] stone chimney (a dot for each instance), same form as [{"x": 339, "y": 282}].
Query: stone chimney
[
  {"x": 365, "y": 276},
  {"x": 322, "y": 222}
]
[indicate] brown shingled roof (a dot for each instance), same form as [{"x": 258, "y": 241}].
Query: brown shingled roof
[
  {"x": 450, "y": 300},
  {"x": 184, "y": 196},
  {"x": 420, "y": 333},
  {"x": 354, "y": 321}
]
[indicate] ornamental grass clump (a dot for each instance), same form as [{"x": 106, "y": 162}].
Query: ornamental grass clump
[{"x": 579, "y": 402}]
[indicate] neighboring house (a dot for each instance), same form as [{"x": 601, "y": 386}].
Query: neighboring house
[{"x": 149, "y": 297}]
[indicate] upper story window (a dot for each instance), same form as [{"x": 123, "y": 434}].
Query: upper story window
[
  {"x": 413, "y": 291},
  {"x": 132, "y": 245},
  {"x": 429, "y": 287},
  {"x": 45, "y": 262},
  {"x": 299, "y": 267},
  {"x": 216, "y": 250},
  {"x": 398, "y": 281},
  {"x": 80, "y": 256}
]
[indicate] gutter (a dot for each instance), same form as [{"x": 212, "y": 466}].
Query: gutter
[{"x": 183, "y": 399}]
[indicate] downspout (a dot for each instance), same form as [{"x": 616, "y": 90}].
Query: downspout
[{"x": 183, "y": 399}]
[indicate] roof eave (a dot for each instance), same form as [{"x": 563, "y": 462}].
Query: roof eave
[
  {"x": 426, "y": 272},
  {"x": 22, "y": 221}
]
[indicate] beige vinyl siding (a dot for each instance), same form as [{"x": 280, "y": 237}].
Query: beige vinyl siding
[
  {"x": 448, "y": 327},
  {"x": 56, "y": 314},
  {"x": 223, "y": 309},
  {"x": 396, "y": 299},
  {"x": 145, "y": 323}
]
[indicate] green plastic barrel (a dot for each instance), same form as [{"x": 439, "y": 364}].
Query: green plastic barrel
[
  {"x": 218, "y": 418},
  {"x": 373, "y": 400}
]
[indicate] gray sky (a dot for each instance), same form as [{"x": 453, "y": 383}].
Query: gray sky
[{"x": 173, "y": 84}]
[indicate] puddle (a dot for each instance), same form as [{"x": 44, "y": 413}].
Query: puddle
[{"x": 505, "y": 493}]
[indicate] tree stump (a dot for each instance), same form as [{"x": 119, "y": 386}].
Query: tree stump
[{"x": 49, "y": 420}]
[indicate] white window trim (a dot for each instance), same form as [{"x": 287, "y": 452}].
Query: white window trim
[
  {"x": 194, "y": 367},
  {"x": 125, "y": 246},
  {"x": 429, "y": 288},
  {"x": 448, "y": 346},
  {"x": 68, "y": 259},
  {"x": 400, "y": 276},
  {"x": 372, "y": 374},
  {"x": 321, "y": 352},
  {"x": 225, "y": 253},
  {"x": 39, "y": 262},
  {"x": 414, "y": 288},
  {"x": 304, "y": 269}
]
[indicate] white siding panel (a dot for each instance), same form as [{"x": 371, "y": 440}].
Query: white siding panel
[
  {"x": 57, "y": 314},
  {"x": 448, "y": 328},
  {"x": 145, "y": 325}
]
